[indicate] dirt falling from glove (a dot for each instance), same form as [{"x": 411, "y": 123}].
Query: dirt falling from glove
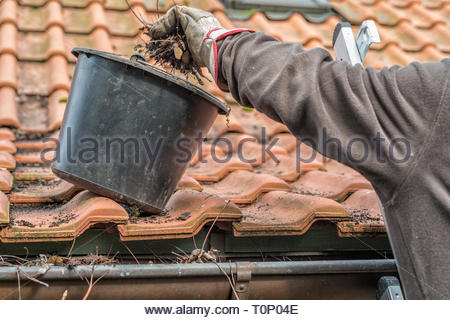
[{"x": 170, "y": 52}]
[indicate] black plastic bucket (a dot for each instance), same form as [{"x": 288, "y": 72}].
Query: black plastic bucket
[{"x": 117, "y": 106}]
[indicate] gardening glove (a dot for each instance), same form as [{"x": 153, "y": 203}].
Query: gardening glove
[{"x": 202, "y": 30}]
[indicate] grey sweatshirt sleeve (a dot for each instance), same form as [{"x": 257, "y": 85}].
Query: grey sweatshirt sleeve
[{"x": 374, "y": 121}]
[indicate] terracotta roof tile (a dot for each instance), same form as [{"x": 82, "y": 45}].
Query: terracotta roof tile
[
  {"x": 8, "y": 38},
  {"x": 62, "y": 223},
  {"x": 7, "y": 161},
  {"x": 187, "y": 212},
  {"x": 8, "y": 107},
  {"x": 244, "y": 187},
  {"x": 6, "y": 180},
  {"x": 284, "y": 213},
  {"x": 37, "y": 193},
  {"x": 8, "y": 146},
  {"x": 25, "y": 173},
  {"x": 329, "y": 185},
  {"x": 222, "y": 125},
  {"x": 335, "y": 167},
  {"x": 288, "y": 168},
  {"x": 206, "y": 150},
  {"x": 56, "y": 107},
  {"x": 187, "y": 182},
  {"x": 285, "y": 140},
  {"x": 4, "y": 209},
  {"x": 364, "y": 207},
  {"x": 7, "y": 134},
  {"x": 8, "y": 70},
  {"x": 210, "y": 170},
  {"x": 8, "y": 11}
]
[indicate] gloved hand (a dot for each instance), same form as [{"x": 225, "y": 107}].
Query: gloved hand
[{"x": 202, "y": 30}]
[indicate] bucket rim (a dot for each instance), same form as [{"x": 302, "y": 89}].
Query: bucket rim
[{"x": 223, "y": 108}]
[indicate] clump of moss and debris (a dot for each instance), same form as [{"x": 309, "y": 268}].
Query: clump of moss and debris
[{"x": 170, "y": 52}]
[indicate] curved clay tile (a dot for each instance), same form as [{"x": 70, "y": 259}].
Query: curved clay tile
[
  {"x": 101, "y": 40},
  {"x": 365, "y": 203},
  {"x": 285, "y": 213},
  {"x": 223, "y": 19},
  {"x": 8, "y": 11},
  {"x": 6, "y": 180},
  {"x": 187, "y": 182},
  {"x": 7, "y": 134},
  {"x": 388, "y": 15},
  {"x": 256, "y": 154},
  {"x": 244, "y": 187},
  {"x": 29, "y": 193},
  {"x": 334, "y": 166},
  {"x": 288, "y": 168},
  {"x": 208, "y": 5},
  {"x": 186, "y": 213},
  {"x": 4, "y": 209},
  {"x": 353, "y": 12},
  {"x": 56, "y": 107},
  {"x": 404, "y": 3},
  {"x": 54, "y": 17},
  {"x": 7, "y": 161},
  {"x": 305, "y": 31},
  {"x": 434, "y": 4},
  {"x": 391, "y": 55},
  {"x": 365, "y": 211},
  {"x": 234, "y": 139},
  {"x": 98, "y": 19},
  {"x": 62, "y": 223},
  {"x": 8, "y": 108},
  {"x": 428, "y": 54},
  {"x": 56, "y": 42},
  {"x": 210, "y": 170},
  {"x": 8, "y": 70},
  {"x": 410, "y": 38},
  {"x": 123, "y": 24},
  {"x": 329, "y": 185},
  {"x": 206, "y": 150},
  {"x": 440, "y": 36},
  {"x": 285, "y": 140},
  {"x": 29, "y": 158},
  {"x": 42, "y": 174},
  {"x": 225, "y": 124},
  {"x": 423, "y": 18},
  {"x": 8, "y": 146},
  {"x": 58, "y": 77},
  {"x": 36, "y": 145},
  {"x": 8, "y": 38}
]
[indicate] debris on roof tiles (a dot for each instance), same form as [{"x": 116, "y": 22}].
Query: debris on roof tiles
[
  {"x": 4, "y": 209},
  {"x": 61, "y": 222},
  {"x": 286, "y": 213},
  {"x": 186, "y": 213},
  {"x": 329, "y": 185},
  {"x": 244, "y": 187},
  {"x": 366, "y": 216}
]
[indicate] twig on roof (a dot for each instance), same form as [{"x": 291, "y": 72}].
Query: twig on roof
[
  {"x": 69, "y": 255},
  {"x": 212, "y": 225}
]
